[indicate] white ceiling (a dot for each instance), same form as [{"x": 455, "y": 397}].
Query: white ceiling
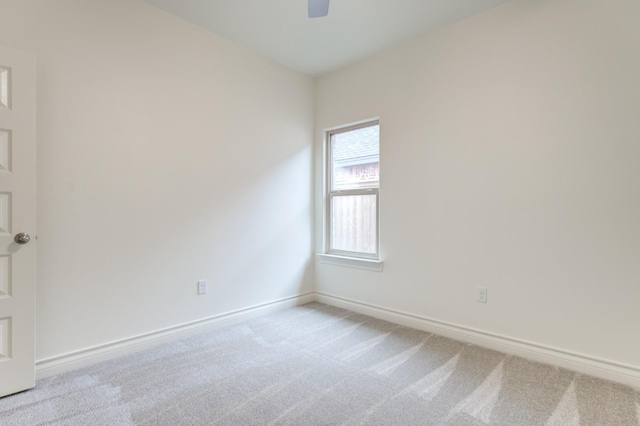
[{"x": 354, "y": 29}]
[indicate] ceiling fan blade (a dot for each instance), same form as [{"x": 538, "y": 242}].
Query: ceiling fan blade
[{"x": 318, "y": 8}]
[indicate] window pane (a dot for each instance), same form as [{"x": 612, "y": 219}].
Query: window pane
[
  {"x": 353, "y": 223},
  {"x": 355, "y": 158}
]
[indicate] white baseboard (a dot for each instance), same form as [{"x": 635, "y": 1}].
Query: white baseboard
[
  {"x": 602, "y": 368},
  {"x": 70, "y": 361}
]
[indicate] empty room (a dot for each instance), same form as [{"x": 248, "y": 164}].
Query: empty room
[{"x": 314, "y": 212}]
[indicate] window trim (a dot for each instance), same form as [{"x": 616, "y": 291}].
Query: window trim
[
  {"x": 351, "y": 262},
  {"x": 329, "y": 195}
]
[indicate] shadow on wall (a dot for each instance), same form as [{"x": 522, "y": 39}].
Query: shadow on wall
[{"x": 262, "y": 236}]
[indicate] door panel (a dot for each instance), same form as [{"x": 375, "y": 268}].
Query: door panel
[{"x": 17, "y": 214}]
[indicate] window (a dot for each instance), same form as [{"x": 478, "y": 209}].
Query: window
[{"x": 353, "y": 181}]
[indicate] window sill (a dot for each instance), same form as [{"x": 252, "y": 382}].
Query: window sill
[{"x": 351, "y": 262}]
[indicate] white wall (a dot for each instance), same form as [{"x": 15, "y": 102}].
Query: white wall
[
  {"x": 509, "y": 159},
  {"x": 165, "y": 155}
]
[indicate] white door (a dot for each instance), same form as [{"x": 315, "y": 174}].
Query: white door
[{"x": 17, "y": 217}]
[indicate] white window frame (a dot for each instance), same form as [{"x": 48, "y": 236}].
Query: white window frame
[{"x": 329, "y": 195}]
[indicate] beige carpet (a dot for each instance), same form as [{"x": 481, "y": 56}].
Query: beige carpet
[{"x": 319, "y": 365}]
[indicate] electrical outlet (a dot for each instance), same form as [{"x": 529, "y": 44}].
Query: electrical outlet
[
  {"x": 202, "y": 286},
  {"x": 481, "y": 294}
]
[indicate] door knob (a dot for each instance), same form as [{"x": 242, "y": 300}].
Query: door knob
[{"x": 22, "y": 238}]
